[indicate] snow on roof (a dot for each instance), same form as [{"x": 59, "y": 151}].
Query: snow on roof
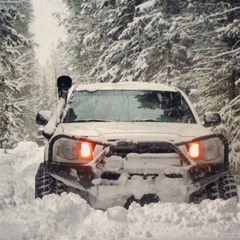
[{"x": 125, "y": 86}]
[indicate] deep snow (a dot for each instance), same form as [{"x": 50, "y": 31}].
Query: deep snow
[{"x": 69, "y": 216}]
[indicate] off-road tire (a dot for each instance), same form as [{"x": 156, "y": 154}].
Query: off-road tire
[
  {"x": 45, "y": 184},
  {"x": 224, "y": 188}
]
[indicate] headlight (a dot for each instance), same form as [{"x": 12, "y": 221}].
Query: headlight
[
  {"x": 209, "y": 150},
  {"x": 73, "y": 150}
]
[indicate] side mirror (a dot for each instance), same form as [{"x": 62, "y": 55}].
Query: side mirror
[
  {"x": 212, "y": 119},
  {"x": 43, "y": 117}
]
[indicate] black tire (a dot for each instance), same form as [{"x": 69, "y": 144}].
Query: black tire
[
  {"x": 45, "y": 184},
  {"x": 224, "y": 188}
]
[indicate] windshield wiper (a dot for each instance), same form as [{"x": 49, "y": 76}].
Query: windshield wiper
[
  {"x": 102, "y": 120},
  {"x": 146, "y": 120},
  {"x": 92, "y": 120}
]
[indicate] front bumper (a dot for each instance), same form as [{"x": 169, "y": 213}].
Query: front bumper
[
  {"x": 134, "y": 170},
  {"x": 111, "y": 188}
]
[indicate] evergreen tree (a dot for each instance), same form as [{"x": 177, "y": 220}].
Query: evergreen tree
[
  {"x": 14, "y": 48},
  {"x": 147, "y": 48},
  {"x": 87, "y": 26}
]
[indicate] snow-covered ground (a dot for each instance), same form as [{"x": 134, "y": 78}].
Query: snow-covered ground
[{"x": 69, "y": 216}]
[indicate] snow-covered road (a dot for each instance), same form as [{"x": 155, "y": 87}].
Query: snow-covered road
[{"x": 69, "y": 216}]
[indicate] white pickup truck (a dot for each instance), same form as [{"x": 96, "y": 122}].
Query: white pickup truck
[{"x": 115, "y": 143}]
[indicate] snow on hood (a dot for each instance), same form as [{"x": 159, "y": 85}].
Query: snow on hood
[{"x": 147, "y": 131}]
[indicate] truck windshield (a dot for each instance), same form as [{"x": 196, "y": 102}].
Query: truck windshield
[{"x": 128, "y": 106}]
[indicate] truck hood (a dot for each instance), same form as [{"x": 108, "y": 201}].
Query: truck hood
[{"x": 133, "y": 131}]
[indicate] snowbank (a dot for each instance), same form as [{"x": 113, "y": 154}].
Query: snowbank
[{"x": 69, "y": 217}]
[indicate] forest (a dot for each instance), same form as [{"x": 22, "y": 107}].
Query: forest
[{"x": 191, "y": 44}]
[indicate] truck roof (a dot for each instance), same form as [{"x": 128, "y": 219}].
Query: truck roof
[{"x": 125, "y": 86}]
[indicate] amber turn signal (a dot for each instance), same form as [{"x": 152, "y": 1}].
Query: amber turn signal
[
  {"x": 194, "y": 150},
  {"x": 85, "y": 151}
]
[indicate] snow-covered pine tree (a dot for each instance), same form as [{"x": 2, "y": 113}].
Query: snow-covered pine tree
[
  {"x": 13, "y": 46},
  {"x": 26, "y": 72},
  {"x": 147, "y": 48},
  {"x": 9, "y": 112},
  {"x": 86, "y": 41},
  {"x": 230, "y": 34}
]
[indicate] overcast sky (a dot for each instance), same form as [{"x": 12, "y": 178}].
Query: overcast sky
[{"x": 45, "y": 27}]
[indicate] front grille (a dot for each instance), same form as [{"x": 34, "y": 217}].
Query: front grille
[{"x": 124, "y": 148}]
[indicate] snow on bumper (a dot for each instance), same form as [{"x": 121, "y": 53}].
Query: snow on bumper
[
  {"x": 128, "y": 169},
  {"x": 107, "y": 194},
  {"x": 110, "y": 186}
]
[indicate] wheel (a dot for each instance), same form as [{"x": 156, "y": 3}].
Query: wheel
[
  {"x": 223, "y": 188},
  {"x": 45, "y": 184},
  {"x": 228, "y": 186}
]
